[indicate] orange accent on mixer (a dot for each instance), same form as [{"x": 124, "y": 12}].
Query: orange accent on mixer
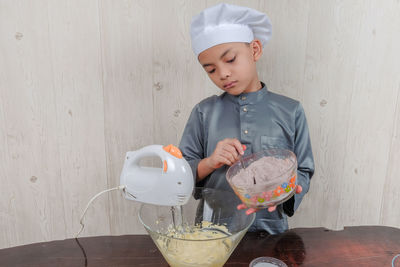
[
  {"x": 165, "y": 166},
  {"x": 173, "y": 150}
]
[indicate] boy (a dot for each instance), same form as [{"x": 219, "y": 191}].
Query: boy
[{"x": 246, "y": 118}]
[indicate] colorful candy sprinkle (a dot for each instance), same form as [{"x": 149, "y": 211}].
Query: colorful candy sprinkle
[
  {"x": 284, "y": 185},
  {"x": 247, "y": 196},
  {"x": 261, "y": 200},
  {"x": 278, "y": 191},
  {"x": 287, "y": 189}
]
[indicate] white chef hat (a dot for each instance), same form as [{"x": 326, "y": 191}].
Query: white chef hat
[{"x": 225, "y": 23}]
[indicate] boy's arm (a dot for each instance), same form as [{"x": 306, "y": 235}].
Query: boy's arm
[
  {"x": 192, "y": 141},
  {"x": 192, "y": 145},
  {"x": 204, "y": 169},
  {"x": 227, "y": 152},
  {"x": 305, "y": 161}
]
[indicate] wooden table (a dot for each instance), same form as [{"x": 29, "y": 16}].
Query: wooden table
[{"x": 353, "y": 246}]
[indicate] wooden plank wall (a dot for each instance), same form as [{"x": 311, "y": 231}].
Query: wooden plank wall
[{"x": 82, "y": 82}]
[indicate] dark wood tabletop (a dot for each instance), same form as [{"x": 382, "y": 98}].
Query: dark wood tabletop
[{"x": 353, "y": 246}]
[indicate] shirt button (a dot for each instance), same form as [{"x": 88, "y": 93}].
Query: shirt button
[
  {"x": 245, "y": 109},
  {"x": 244, "y": 98},
  {"x": 246, "y": 132}
]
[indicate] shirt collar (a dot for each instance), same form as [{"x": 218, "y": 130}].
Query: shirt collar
[{"x": 249, "y": 98}]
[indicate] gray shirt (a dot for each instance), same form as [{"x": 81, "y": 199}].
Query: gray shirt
[{"x": 259, "y": 120}]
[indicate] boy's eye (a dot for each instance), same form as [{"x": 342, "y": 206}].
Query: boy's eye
[
  {"x": 231, "y": 60},
  {"x": 211, "y": 71}
]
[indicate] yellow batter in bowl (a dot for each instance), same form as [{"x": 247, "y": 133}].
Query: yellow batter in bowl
[{"x": 203, "y": 232}]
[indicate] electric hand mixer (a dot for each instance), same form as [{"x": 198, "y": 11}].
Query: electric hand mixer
[
  {"x": 171, "y": 185},
  {"x": 181, "y": 239}
]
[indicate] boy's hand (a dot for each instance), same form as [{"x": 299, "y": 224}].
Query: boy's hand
[
  {"x": 270, "y": 208},
  {"x": 226, "y": 152}
]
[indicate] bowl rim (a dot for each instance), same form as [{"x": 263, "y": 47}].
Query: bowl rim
[
  {"x": 294, "y": 164},
  {"x": 267, "y": 260},
  {"x": 148, "y": 229}
]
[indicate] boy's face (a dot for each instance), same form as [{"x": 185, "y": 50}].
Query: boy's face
[{"x": 232, "y": 66}]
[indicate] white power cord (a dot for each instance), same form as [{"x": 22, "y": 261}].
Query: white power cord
[{"x": 121, "y": 187}]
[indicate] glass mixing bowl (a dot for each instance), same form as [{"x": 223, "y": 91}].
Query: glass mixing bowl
[
  {"x": 203, "y": 232},
  {"x": 265, "y": 178}
]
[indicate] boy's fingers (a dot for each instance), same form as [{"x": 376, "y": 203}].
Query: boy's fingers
[
  {"x": 228, "y": 156},
  {"x": 241, "y": 206},
  {"x": 231, "y": 150},
  {"x": 223, "y": 160},
  {"x": 238, "y": 146},
  {"x": 272, "y": 208},
  {"x": 299, "y": 189},
  {"x": 250, "y": 211}
]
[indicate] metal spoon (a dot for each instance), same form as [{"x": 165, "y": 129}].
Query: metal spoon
[
  {"x": 241, "y": 158},
  {"x": 241, "y": 162}
]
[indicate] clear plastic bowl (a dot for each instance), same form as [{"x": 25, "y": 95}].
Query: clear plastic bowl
[
  {"x": 265, "y": 178},
  {"x": 215, "y": 206}
]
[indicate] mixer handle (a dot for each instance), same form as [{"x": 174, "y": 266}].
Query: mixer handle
[{"x": 154, "y": 150}]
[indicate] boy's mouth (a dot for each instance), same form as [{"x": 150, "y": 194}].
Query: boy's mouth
[{"x": 230, "y": 85}]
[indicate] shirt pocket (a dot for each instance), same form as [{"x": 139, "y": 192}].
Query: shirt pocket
[{"x": 268, "y": 142}]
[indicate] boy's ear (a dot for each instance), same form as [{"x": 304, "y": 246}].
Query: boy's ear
[{"x": 256, "y": 49}]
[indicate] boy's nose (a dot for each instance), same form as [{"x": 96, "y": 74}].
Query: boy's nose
[{"x": 224, "y": 74}]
